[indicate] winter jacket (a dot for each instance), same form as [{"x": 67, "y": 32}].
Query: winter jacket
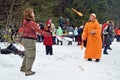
[
  {"x": 59, "y": 32},
  {"x": 70, "y": 31},
  {"x": 103, "y": 26},
  {"x": 117, "y": 31},
  {"x": 107, "y": 35},
  {"x": 30, "y": 28},
  {"x": 80, "y": 30},
  {"x": 75, "y": 32},
  {"x": 48, "y": 39}
]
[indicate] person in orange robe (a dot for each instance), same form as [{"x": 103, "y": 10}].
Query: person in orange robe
[{"x": 92, "y": 32}]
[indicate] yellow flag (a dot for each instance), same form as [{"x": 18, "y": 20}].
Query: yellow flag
[{"x": 79, "y": 13}]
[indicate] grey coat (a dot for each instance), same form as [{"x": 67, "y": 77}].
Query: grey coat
[{"x": 107, "y": 33}]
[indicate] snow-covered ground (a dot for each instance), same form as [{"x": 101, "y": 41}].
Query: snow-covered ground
[{"x": 67, "y": 63}]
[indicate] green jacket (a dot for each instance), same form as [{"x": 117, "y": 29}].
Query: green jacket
[{"x": 59, "y": 32}]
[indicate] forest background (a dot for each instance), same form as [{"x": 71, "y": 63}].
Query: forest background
[{"x": 11, "y": 11}]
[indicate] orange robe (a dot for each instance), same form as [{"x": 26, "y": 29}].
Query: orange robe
[{"x": 94, "y": 42}]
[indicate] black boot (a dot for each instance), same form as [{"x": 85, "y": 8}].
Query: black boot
[
  {"x": 106, "y": 53},
  {"x": 97, "y": 60},
  {"x": 109, "y": 48},
  {"x": 89, "y": 59}
]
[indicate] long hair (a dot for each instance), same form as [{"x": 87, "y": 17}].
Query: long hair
[{"x": 28, "y": 14}]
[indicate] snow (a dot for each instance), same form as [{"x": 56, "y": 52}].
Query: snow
[{"x": 67, "y": 63}]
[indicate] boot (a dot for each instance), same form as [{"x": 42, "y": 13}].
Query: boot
[
  {"x": 109, "y": 48},
  {"x": 28, "y": 73},
  {"x": 97, "y": 60},
  {"x": 89, "y": 59},
  {"x": 106, "y": 53}
]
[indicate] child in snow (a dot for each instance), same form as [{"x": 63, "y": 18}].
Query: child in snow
[{"x": 48, "y": 42}]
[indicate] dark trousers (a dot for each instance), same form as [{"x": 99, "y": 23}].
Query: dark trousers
[
  {"x": 69, "y": 42},
  {"x": 105, "y": 49},
  {"x": 40, "y": 38},
  {"x": 59, "y": 41},
  {"x": 54, "y": 39},
  {"x": 79, "y": 40},
  {"x": 76, "y": 38},
  {"x": 49, "y": 50},
  {"x": 118, "y": 38}
]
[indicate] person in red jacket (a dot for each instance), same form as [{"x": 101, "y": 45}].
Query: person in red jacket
[
  {"x": 117, "y": 33},
  {"x": 30, "y": 28},
  {"x": 48, "y": 42}
]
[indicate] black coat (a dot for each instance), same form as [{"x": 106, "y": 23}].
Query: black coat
[{"x": 107, "y": 36}]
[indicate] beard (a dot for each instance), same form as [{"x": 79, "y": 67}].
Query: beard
[{"x": 90, "y": 19}]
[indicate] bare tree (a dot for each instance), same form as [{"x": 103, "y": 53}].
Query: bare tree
[{"x": 11, "y": 12}]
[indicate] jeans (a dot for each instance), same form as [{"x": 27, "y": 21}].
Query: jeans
[{"x": 105, "y": 49}]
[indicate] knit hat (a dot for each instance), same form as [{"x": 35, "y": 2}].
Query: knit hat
[{"x": 93, "y": 14}]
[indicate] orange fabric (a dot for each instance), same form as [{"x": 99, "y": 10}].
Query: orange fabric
[{"x": 94, "y": 42}]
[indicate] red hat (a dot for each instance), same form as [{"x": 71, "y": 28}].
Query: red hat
[{"x": 48, "y": 23}]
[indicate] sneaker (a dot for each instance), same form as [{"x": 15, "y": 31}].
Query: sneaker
[
  {"x": 97, "y": 60},
  {"x": 89, "y": 59},
  {"x": 29, "y": 73}
]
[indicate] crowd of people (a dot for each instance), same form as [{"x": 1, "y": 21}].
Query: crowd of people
[
  {"x": 93, "y": 35},
  {"x": 8, "y": 34}
]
